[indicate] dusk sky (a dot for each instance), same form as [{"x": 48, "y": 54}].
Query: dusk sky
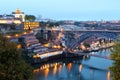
[{"x": 65, "y": 9}]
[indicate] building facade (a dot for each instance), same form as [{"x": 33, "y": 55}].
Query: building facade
[
  {"x": 30, "y": 25},
  {"x": 19, "y": 14}
]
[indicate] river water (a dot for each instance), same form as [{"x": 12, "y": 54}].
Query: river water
[{"x": 91, "y": 68}]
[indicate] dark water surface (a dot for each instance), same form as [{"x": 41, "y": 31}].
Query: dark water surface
[{"x": 91, "y": 68}]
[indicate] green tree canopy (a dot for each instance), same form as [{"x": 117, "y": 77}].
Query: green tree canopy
[
  {"x": 30, "y": 18},
  {"x": 115, "y": 55},
  {"x": 12, "y": 67}
]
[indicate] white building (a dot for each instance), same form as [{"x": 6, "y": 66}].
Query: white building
[{"x": 19, "y": 14}]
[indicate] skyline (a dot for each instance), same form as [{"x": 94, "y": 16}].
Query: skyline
[{"x": 65, "y": 9}]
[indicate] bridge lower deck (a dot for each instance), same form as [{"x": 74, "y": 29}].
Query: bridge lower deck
[{"x": 88, "y": 54}]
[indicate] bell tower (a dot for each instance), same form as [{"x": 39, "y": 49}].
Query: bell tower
[{"x": 19, "y": 14}]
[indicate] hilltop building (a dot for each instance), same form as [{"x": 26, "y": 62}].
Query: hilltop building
[
  {"x": 9, "y": 19},
  {"x": 16, "y": 20},
  {"x": 19, "y": 14}
]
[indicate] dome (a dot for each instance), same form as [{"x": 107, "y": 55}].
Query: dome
[{"x": 18, "y": 11}]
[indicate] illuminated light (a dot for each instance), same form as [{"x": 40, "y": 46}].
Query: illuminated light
[
  {"x": 10, "y": 21},
  {"x": 59, "y": 35},
  {"x": 56, "y": 63},
  {"x": 28, "y": 44},
  {"x": 31, "y": 31},
  {"x": 46, "y": 72},
  {"x": 19, "y": 46},
  {"x": 59, "y": 69},
  {"x": 108, "y": 75},
  {"x": 35, "y": 56},
  {"x": 46, "y": 45},
  {"x": 83, "y": 47},
  {"x": 69, "y": 66},
  {"x": 17, "y": 21},
  {"x": 3, "y": 21},
  {"x": 58, "y": 47},
  {"x": 31, "y": 25},
  {"x": 25, "y": 33},
  {"x": 16, "y": 35},
  {"x": 41, "y": 68},
  {"x": 80, "y": 67},
  {"x": 36, "y": 70},
  {"x": 49, "y": 54},
  {"x": 54, "y": 46},
  {"x": 47, "y": 65},
  {"x": 8, "y": 36},
  {"x": 47, "y": 69},
  {"x": 54, "y": 70},
  {"x": 92, "y": 53},
  {"x": 44, "y": 55},
  {"x": 52, "y": 65}
]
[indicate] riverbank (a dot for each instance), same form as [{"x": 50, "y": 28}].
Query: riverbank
[
  {"x": 97, "y": 49},
  {"x": 93, "y": 68},
  {"x": 63, "y": 56},
  {"x": 101, "y": 48}
]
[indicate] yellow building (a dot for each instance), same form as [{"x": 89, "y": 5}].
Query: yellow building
[{"x": 30, "y": 25}]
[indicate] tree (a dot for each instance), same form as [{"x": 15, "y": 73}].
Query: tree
[
  {"x": 30, "y": 18},
  {"x": 115, "y": 55},
  {"x": 12, "y": 66}
]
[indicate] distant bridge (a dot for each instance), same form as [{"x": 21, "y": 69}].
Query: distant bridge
[{"x": 82, "y": 35}]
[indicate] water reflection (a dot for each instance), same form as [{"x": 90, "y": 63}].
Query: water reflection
[
  {"x": 70, "y": 71},
  {"x": 93, "y": 68},
  {"x": 59, "y": 69},
  {"x": 108, "y": 75},
  {"x": 46, "y": 71},
  {"x": 69, "y": 66},
  {"x": 80, "y": 68},
  {"x": 55, "y": 70}
]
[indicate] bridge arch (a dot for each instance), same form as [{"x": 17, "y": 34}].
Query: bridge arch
[{"x": 76, "y": 42}]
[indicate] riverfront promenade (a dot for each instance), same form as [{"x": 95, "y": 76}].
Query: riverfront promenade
[{"x": 89, "y": 53}]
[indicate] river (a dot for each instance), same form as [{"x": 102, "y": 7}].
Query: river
[{"x": 91, "y": 68}]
